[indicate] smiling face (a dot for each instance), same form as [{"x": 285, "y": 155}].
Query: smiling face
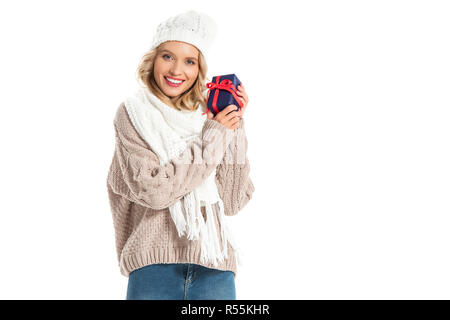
[{"x": 177, "y": 61}]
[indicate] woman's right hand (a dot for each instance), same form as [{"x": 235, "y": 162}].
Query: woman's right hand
[{"x": 228, "y": 117}]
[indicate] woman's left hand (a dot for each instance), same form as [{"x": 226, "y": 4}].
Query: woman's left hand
[{"x": 244, "y": 98}]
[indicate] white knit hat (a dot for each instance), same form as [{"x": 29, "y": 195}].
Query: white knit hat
[{"x": 192, "y": 27}]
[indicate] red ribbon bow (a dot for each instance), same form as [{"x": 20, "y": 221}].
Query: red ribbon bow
[{"x": 225, "y": 84}]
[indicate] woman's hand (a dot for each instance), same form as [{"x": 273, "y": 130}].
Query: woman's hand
[
  {"x": 228, "y": 117},
  {"x": 244, "y": 98}
]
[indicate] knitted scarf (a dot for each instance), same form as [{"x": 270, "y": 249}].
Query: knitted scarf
[{"x": 168, "y": 132}]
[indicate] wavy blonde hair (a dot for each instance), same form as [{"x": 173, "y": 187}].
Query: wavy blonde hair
[{"x": 189, "y": 100}]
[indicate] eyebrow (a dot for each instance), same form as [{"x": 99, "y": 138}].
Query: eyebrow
[{"x": 174, "y": 54}]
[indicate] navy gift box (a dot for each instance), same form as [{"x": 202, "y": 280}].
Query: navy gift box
[{"x": 222, "y": 93}]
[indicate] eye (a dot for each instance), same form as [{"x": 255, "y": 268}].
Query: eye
[
  {"x": 192, "y": 62},
  {"x": 164, "y": 55}
]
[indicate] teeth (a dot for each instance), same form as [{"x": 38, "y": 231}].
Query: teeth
[{"x": 174, "y": 81}]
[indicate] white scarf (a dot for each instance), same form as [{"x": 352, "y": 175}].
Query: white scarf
[{"x": 168, "y": 132}]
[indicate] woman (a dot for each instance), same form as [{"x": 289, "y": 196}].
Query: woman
[{"x": 176, "y": 173}]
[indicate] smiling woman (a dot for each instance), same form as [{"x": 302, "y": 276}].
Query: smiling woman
[
  {"x": 176, "y": 173},
  {"x": 175, "y": 72}
]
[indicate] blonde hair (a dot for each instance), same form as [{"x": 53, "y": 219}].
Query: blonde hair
[{"x": 188, "y": 100}]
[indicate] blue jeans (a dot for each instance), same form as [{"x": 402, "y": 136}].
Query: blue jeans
[{"x": 180, "y": 281}]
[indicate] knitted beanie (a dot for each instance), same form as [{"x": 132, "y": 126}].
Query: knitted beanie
[{"x": 192, "y": 27}]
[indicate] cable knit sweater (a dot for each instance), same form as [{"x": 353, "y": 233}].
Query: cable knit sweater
[{"x": 140, "y": 191}]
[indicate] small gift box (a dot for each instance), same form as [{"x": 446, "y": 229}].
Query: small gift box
[{"x": 222, "y": 92}]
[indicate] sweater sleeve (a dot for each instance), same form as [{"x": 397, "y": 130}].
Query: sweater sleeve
[
  {"x": 138, "y": 175},
  {"x": 232, "y": 175}
]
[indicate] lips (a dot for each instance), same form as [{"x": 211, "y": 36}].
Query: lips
[
  {"x": 173, "y": 84},
  {"x": 174, "y": 78}
]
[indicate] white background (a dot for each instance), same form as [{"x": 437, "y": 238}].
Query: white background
[{"x": 348, "y": 130}]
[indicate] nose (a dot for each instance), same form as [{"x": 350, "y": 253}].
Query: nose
[{"x": 176, "y": 68}]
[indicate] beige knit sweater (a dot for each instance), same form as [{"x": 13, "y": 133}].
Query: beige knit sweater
[{"x": 140, "y": 191}]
